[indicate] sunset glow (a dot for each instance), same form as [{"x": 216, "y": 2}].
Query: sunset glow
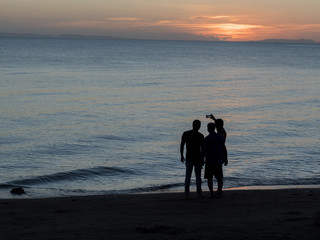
[
  {"x": 181, "y": 20},
  {"x": 231, "y": 30}
]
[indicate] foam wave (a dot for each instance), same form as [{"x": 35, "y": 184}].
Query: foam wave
[
  {"x": 7, "y": 186},
  {"x": 155, "y": 188},
  {"x": 78, "y": 174},
  {"x": 237, "y": 182},
  {"x": 242, "y": 182}
]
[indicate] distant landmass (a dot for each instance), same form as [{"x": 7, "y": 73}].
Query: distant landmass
[
  {"x": 304, "y": 41},
  {"x": 78, "y": 36},
  {"x": 26, "y": 35},
  {"x": 89, "y": 37},
  {"x": 71, "y": 36}
]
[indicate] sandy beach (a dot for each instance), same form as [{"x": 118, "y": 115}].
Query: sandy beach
[{"x": 239, "y": 214}]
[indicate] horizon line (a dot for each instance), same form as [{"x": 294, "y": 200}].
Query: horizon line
[{"x": 106, "y": 37}]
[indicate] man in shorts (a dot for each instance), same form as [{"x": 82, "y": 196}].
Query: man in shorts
[
  {"x": 194, "y": 156},
  {"x": 215, "y": 156}
]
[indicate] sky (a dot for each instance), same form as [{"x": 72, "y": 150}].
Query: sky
[{"x": 225, "y": 20}]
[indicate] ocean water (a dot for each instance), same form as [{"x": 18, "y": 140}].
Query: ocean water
[{"x": 82, "y": 117}]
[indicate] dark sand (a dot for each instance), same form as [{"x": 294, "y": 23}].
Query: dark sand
[{"x": 248, "y": 214}]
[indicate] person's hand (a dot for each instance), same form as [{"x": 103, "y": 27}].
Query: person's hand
[
  {"x": 182, "y": 159},
  {"x": 212, "y": 117}
]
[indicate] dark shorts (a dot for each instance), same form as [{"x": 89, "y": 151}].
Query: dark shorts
[{"x": 213, "y": 170}]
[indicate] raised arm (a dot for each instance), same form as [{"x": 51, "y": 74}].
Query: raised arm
[{"x": 212, "y": 117}]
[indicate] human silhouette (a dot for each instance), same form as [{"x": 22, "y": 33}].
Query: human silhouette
[
  {"x": 193, "y": 140},
  {"x": 215, "y": 157},
  {"x": 219, "y": 126},
  {"x": 220, "y": 129}
]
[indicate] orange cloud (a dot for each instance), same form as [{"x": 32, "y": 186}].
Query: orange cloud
[
  {"x": 219, "y": 27},
  {"x": 293, "y": 31},
  {"x": 245, "y": 20},
  {"x": 235, "y": 31},
  {"x": 208, "y": 17}
]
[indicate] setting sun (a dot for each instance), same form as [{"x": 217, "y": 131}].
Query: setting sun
[{"x": 231, "y": 31}]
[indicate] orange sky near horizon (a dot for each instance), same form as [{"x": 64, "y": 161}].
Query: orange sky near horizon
[{"x": 229, "y": 20}]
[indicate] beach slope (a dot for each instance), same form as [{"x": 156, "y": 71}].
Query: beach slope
[{"x": 250, "y": 214}]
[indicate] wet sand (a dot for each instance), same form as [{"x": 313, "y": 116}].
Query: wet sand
[{"x": 239, "y": 214}]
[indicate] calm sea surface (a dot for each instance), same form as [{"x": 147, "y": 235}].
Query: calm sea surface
[{"x": 90, "y": 116}]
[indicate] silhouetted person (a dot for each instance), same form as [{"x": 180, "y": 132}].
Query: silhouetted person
[
  {"x": 219, "y": 126},
  {"x": 214, "y": 152},
  {"x": 194, "y": 156},
  {"x": 220, "y": 129}
]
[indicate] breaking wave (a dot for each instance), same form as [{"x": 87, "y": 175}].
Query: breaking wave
[{"x": 78, "y": 174}]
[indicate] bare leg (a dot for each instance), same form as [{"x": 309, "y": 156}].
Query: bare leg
[
  {"x": 220, "y": 184},
  {"x": 210, "y": 186},
  {"x": 197, "y": 170},
  {"x": 189, "y": 168}
]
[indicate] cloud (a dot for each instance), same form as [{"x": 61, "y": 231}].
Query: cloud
[
  {"x": 198, "y": 27},
  {"x": 294, "y": 31},
  {"x": 208, "y": 17},
  {"x": 226, "y": 31},
  {"x": 125, "y": 19},
  {"x": 234, "y": 26},
  {"x": 81, "y": 24}
]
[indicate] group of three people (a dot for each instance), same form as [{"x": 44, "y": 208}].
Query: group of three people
[{"x": 209, "y": 151}]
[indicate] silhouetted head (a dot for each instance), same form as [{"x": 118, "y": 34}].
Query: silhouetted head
[
  {"x": 211, "y": 127},
  {"x": 196, "y": 124},
  {"x": 219, "y": 123}
]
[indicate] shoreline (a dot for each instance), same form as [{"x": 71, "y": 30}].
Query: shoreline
[
  {"x": 245, "y": 188},
  {"x": 27, "y": 195},
  {"x": 275, "y": 187},
  {"x": 239, "y": 214}
]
